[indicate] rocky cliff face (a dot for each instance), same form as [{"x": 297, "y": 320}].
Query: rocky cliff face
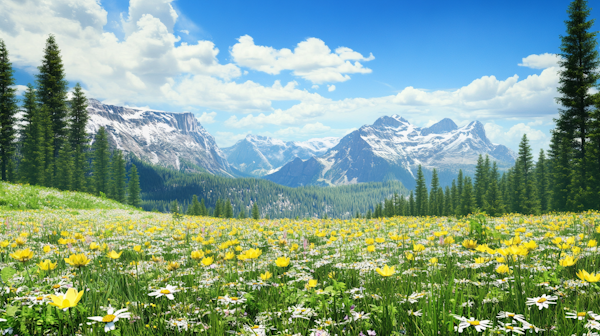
[
  {"x": 392, "y": 149},
  {"x": 165, "y": 138}
]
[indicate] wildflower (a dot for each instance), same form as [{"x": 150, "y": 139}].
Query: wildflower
[
  {"x": 172, "y": 266},
  {"x": 22, "y": 255},
  {"x": 465, "y": 323},
  {"x": 47, "y": 248},
  {"x": 137, "y": 248},
  {"x": 94, "y": 246},
  {"x": 114, "y": 255},
  {"x": 518, "y": 317},
  {"x": 282, "y": 261},
  {"x": 266, "y": 276},
  {"x": 578, "y": 316},
  {"x": 387, "y": 271},
  {"x": 371, "y": 248},
  {"x": 167, "y": 291},
  {"x": 592, "y": 243},
  {"x": 589, "y": 277},
  {"x": 567, "y": 261},
  {"x": 414, "y": 313},
  {"x": 67, "y": 300},
  {"x": 111, "y": 317},
  {"x": 77, "y": 260},
  {"x": 470, "y": 244},
  {"x": 410, "y": 256},
  {"x": 207, "y": 261},
  {"x": 507, "y": 327},
  {"x": 312, "y": 283},
  {"x": 418, "y": 248},
  {"x": 503, "y": 269},
  {"x": 433, "y": 260},
  {"x": 20, "y": 241},
  {"x": 47, "y": 265},
  {"x": 196, "y": 255},
  {"x": 479, "y": 260},
  {"x": 542, "y": 301},
  {"x": 229, "y": 255}
]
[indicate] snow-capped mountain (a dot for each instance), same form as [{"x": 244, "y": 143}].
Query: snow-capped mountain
[
  {"x": 260, "y": 155},
  {"x": 392, "y": 149},
  {"x": 165, "y": 138}
]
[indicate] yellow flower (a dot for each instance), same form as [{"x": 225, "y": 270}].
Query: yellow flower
[
  {"x": 470, "y": 244},
  {"x": 20, "y": 241},
  {"x": 371, "y": 248},
  {"x": 380, "y": 240},
  {"x": 282, "y": 262},
  {"x": 418, "y": 248},
  {"x": 369, "y": 241},
  {"x": 46, "y": 265},
  {"x": 77, "y": 260},
  {"x": 172, "y": 266},
  {"x": 448, "y": 240},
  {"x": 47, "y": 248},
  {"x": 266, "y": 276},
  {"x": 585, "y": 276},
  {"x": 480, "y": 260},
  {"x": 592, "y": 243},
  {"x": 197, "y": 255},
  {"x": 22, "y": 255},
  {"x": 68, "y": 300},
  {"x": 433, "y": 261},
  {"x": 207, "y": 261},
  {"x": 94, "y": 246},
  {"x": 567, "y": 261},
  {"x": 252, "y": 253},
  {"x": 114, "y": 255},
  {"x": 531, "y": 245},
  {"x": 386, "y": 271},
  {"x": 331, "y": 275},
  {"x": 229, "y": 255},
  {"x": 440, "y": 233},
  {"x": 137, "y": 248},
  {"x": 4, "y": 243},
  {"x": 312, "y": 283},
  {"x": 503, "y": 269},
  {"x": 410, "y": 256}
]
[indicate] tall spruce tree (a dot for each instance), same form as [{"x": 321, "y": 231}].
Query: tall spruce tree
[
  {"x": 448, "y": 210},
  {"x": 78, "y": 137},
  {"x": 31, "y": 169},
  {"x": 480, "y": 182},
  {"x": 203, "y": 209},
  {"x": 468, "y": 203},
  {"x": 434, "y": 201},
  {"x": 64, "y": 171},
  {"x": 411, "y": 205},
  {"x": 8, "y": 110},
  {"x": 52, "y": 93},
  {"x": 255, "y": 213},
  {"x": 48, "y": 146},
  {"x": 119, "y": 176},
  {"x": 543, "y": 182},
  {"x": 101, "y": 161},
  {"x": 133, "y": 187},
  {"x": 579, "y": 63},
  {"x": 493, "y": 204},
  {"x": 526, "y": 188},
  {"x": 421, "y": 194},
  {"x": 228, "y": 209}
]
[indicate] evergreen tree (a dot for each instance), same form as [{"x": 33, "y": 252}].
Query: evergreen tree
[
  {"x": 64, "y": 172},
  {"x": 255, "y": 213},
  {"x": 441, "y": 201},
  {"x": 480, "y": 181},
  {"x": 527, "y": 191},
  {"x": 195, "y": 207},
  {"x": 203, "y": 210},
  {"x": 454, "y": 197},
  {"x": 467, "y": 204},
  {"x": 411, "y": 205},
  {"x": 174, "y": 208},
  {"x": 32, "y": 138},
  {"x": 543, "y": 182},
  {"x": 217, "y": 213},
  {"x": 242, "y": 214},
  {"x": 52, "y": 92},
  {"x": 421, "y": 194},
  {"x": 228, "y": 209},
  {"x": 8, "y": 110},
  {"x": 448, "y": 210},
  {"x": 434, "y": 202},
  {"x": 133, "y": 187},
  {"x": 493, "y": 204},
  {"x": 560, "y": 154},
  {"x": 48, "y": 147},
  {"x": 119, "y": 178},
  {"x": 101, "y": 161},
  {"x": 369, "y": 215},
  {"x": 78, "y": 137}
]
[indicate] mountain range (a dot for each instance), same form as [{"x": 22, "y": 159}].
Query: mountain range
[{"x": 389, "y": 149}]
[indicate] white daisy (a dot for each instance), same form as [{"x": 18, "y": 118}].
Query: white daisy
[
  {"x": 111, "y": 317},
  {"x": 543, "y": 301},
  {"x": 167, "y": 291},
  {"x": 518, "y": 317},
  {"x": 465, "y": 323},
  {"x": 507, "y": 327}
]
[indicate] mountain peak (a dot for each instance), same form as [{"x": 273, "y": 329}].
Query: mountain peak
[
  {"x": 394, "y": 121},
  {"x": 443, "y": 126}
]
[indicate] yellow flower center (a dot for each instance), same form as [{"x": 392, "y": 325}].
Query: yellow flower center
[
  {"x": 39, "y": 298},
  {"x": 509, "y": 327},
  {"x": 108, "y": 318},
  {"x": 165, "y": 291},
  {"x": 541, "y": 300},
  {"x": 255, "y": 327},
  {"x": 55, "y": 286},
  {"x": 581, "y": 314},
  {"x": 474, "y": 323},
  {"x": 233, "y": 298}
]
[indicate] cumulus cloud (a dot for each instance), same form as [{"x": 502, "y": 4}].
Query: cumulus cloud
[
  {"x": 20, "y": 89},
  {"x": 512, "y": 137},
  {"x": 314, "y": 129},
  {"x": 311, "y": 59},
  {"x": 331, "y": 88},
  {"x": 207, "y": 118},
  {"x": 542, "y": 61},
  {"x": 227, "y": 139}
]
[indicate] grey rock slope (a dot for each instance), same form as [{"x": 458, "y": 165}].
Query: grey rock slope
[
  {"x": 260, "y": 155},
  {"x": 392, "y": 149},
  {"x": 170, "y": 139}
]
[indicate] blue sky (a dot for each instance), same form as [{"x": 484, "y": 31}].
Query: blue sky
[{"x": 300, "y": 70}]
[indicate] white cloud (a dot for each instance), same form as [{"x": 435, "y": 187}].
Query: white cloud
[
  {"x": 511, "y": 138},
  {"x": 311, "y": 60},
  {"x": 331, "y": 88},
  {"x": 315, "y": 86},
  {"x": 227, "y": 139},
  {"x": 314, "y": 129},
  {"x": 160, "y": 9},
  {"x": 542, "y": 61},
  {"x": 207, "y": 118},
  {"x": 20, "y": 89},
  {"x": 186, "y": 32}
]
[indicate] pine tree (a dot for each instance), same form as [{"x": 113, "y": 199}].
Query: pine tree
[
  {"x": 8, "y": 110},
  {"x": 255, "y": 213},
  {"x": 448, "y": 210},
  {"x": 480, "y": 182},
  {"x": 527, "y": 191},
  {"x": 421, "y": 194},
  {"x": 579, "y": 62},
  {"x": 52, "y": 93},
  {"x": 194, "y": 209},
  {"x": 467, "y": 204},
  {"x": 242, "y": 214},
  {"x": 560, "y": 154},
  {"x": 493, "y": 204},
  {"x": 64, "y": 173},
  {"x": 32, "y": 138},
  {"x": 203, "y": 210},
  {"x": 228, "y": 209},
  {"x": 48, "y": 146},
  {"x": 101, "y": 161},
  {"x": 434, "y": 206},
  {"x": 454, "y": 196},
  {"x": 543, "y": 182},
  {"x": 119, "y": 178},
  {"x": 133, "y": 187},
  {"x": 217, "y": 213},
  {"x": 78, "y": 137},
  {"x": 411, "y": 205}
]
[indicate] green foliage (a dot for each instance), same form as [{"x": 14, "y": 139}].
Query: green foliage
[
  {"x": 133, "y": 187},
  {"x": 8, "y": 110},
  {"x": 101, "y": 161}
]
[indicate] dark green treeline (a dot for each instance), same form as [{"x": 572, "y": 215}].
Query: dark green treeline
[{"x": 50, "y": 147}]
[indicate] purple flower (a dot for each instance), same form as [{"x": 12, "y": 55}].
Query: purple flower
[{"x": 371, "y": 332}]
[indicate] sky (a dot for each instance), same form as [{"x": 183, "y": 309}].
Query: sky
[{"x": 306, "y": 69}]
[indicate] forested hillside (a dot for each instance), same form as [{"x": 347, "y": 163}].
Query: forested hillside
[{"x": 160, "y": 186}]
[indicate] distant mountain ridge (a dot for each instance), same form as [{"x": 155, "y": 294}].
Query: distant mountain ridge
[
  {"x": 258, "y": 155},
  {"x": 392, "y": 149},
  {"x": 170, "y": 139}
]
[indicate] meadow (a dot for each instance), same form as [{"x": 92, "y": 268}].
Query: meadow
[{"x": 128, "y": 272}]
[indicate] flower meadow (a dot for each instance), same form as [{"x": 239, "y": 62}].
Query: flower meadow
[{"x": 124, "y": 272}]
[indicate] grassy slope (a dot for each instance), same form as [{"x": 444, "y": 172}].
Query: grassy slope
[{"x": 24, "y": 197}]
